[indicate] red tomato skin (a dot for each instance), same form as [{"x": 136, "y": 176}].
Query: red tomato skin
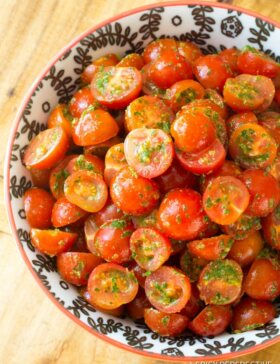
[
  {"x": 90, "y": 229},
  {"x": 109, "y": 59},
  {"x": 242, "y": 227},
  {"x": 239, "y": 119},
  {"x": 132, "y": 60},
  {"x": 271, "y": 228},
  {"x": 38, "y": 205},
  {"x": 52, "y": 242},
  {"x": 154, "y": 49},
  {"x": 173, "y": 219},
  {"x": 75, "y": 267},
  {"x": 60, "y": 116},
  {"x": 40, "y": 177},
  {"x": 165, "y": 324},
  {"x": 137, "y": 307},
  {"x": 109, "y": 212},
  {"x": 270, "y": 120},
  {"x": 65, "y": 213},
  {"x": 230, "y": 56},
  {"x": 213, "y": 248},
  {"x": 249, "y": 314},
  {"x": 212, "y": 320},
  {"x": 138, "y": 272},
  {"x": 81, "y": 100},
  {"x": 194, "y": 305}
]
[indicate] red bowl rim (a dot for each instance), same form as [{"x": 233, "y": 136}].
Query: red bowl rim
[{"x": 7, "y": 181}]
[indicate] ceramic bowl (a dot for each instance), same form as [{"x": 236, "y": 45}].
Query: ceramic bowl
[{"x": 213, "y": 27}]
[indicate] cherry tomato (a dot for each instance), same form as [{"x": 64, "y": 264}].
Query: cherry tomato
[
  {"x": 193, "y": 131},
  {"x": 225, "y": 199},
  {"x": 148, "y": 112},
  {"x": 109, "y": 59},
  {"x": 213, "y": 248},
  {"x": 46, "y": 149},
  {"x": 264, "y": 192},
  {"x": 132, "y": 60},
  {"x": 180, "y": 214},
  {"x": 207, "y": 161},
  {"x": 58, "y": 176},
  {"x": 271, "y": 121},
  {"x": 271, "y": 228},
  {"x": 249, "y": 93},
  {"x": 65, "y": 213},
  {"x": 139, "y": 273},
  {"x": 85, "y": 163},
  {"x": 192, "y": 265},
  {"x": 212, "y": 320},
  {"x": 169, "y": 68},
  {"x": 252, "y": 146},
  {"x": 110, "y": 285},
  {"x": 146, "y": 221},
  {"x": 116, "y": 87},
  {"x": 149, "y": 87},
  {"x": 277, "y": 96},
  {"x": 149, "y": 151},
  {"x": 220, "y": 282},
  {"x": 183, "y": 92},
  {"x": 153, "y": 50},
  {"x": 90, "y": 229},
  {"x": 82, "y": 100},
  {"x": 211, "y": 71},
  {"x": 149, "y": 248},
  {"x": 210, "y": 229},
  {"x": 250, "y": 314},
  {"x": 164, "y": 324},
  {"x": 274, "y": 168},
  {"x": 230, "y": 56},
  {"x": 168, "y": 289},
  {"x": 194, "y": 305},
  {"x": 132, "y": 193},
  {"x": 245, "y": 251},
  {"x": 175, "y": 177},
  {"x": 60, "y": 116},
  {"x": 216, "y": 102},
  {"x": 94, "y": 127},
  {"x": 189, "y": 50},
  {"x": 114, "y": 161},
  {"x": 137, "y": 307},
  {"x": 242, "y": 227},
  {"x": 263, "y": 280},
  {"x": 40, "y": 177},
  {"x": 52, "y": 242},
  {"x": 86, "y": 190},
  {"x": 237, "y": 120},
  {"x": 108, "y": 212},
  {"x": 101, "y": 149},
  {"x": 255, "y": 62},
  {"x": 111, "y": 241},
  {"x": 38, "y": 205},
  {"x": 75, "y": 267}
]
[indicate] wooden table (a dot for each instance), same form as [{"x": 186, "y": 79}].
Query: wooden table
[{"x": 32, "y": 329}]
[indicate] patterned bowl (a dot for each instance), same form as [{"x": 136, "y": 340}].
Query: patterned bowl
[{"x": 212, "y": 27}]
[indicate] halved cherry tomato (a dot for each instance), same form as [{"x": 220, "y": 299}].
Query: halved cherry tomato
[
  {"x": 90, "y": 229},
  {"x": 254, "y": 62},
  {"x": 109, "y": 59},
  {"x": 250, "y": 314},
  {"x": 183, "y": 92},
  {"x": 277, "y": 96},
  {"x": 164, "y": 324},
  {"x": 252, "y": 146},
  {"x": 207, "y": 161},
  {"x": 194, "y": 305},
  {"x": 111, "y": 241},
  {"x": 168, "y": 289},
  {"x": 46, "y": 149},
  {"x": 132, "y": 193},
  {"x": 40, "y": 177},
  {"x": 111, "y": 285},
  {"x": 264, "y": 191},
  {"x": 75, "y": 267},
  {"x": 237, "y": 120},
  {"x": 116, "y": 87},
  {"x": 148, "y": 112},
  {"x": 85, "y": 163},
  {"x": 80, "y": 245},
  {"x": 114, "y": 161},
  {"x": 189, "y": 50},
  {"x": 249, "y": 93},
  {"x": 82, "y": 100},
  {"x": 263, "y": 279},
  {"x": 192, "y": 265},
  {"x": 94, "y": 127},
  {"x": 225, "y": 199},
  {"x": 132, "y": 60},
  {"x": 60, "y": 116},
  {"x": 242, "y": 227},
  {"x": 149, "y": 87},
  {"x": 101, "y": 149},
  {"x": 169, "y": 68},
  {"x": 86, "y": 190},
  {"x": 211, "y": 71},
  {"x": 139, "y": 273},
  {"x": 58, "y": 176},
  {"x": 146, "y": 221},
  {"x": 210, "y": 229},
  {"x": 213, "y": 248},
  {"x": 149, "y": 151},
  {"x": 217, "y": 102},
  {"x": 220, "y": 282},
  {"x": 271, "y": 121},
  {"x": 153, "y": 50},
  {"x": 212, "y": 320},
  {"x": 274, "y": 168},
  {"x": 137, "y": 307},
  {"x": 245, "y": 251},
  {"x": 38, "y": 205},
  {"x": 180, "y": 214},
  {"x": 65, "y": 213},
  {"x": 108, "y": 212},
  {"x": 193, "y": 131},
  {"x": 271, "y": 228},
  {"x": 175, "y": 177},
  {"x": 149, "y": 248},
  {"x": 230, "y": 56},
  {"x": 52, "y": 242}
]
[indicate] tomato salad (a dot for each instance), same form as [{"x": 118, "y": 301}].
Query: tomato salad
[{"x": 157, "y": 188}]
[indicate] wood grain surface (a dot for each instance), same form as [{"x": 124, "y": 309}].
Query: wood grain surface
[{"x": 32, "y": 329}]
